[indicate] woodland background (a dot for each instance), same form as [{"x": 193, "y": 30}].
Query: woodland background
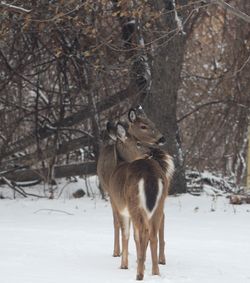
[{"x": 69, "y": 66}]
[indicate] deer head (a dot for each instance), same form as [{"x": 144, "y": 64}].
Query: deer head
[
  {"x": 144, "y": 129},
  {"x": 128, "y": 147}
]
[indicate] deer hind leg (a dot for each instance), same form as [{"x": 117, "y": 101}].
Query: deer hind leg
[
  {"x": 137, "y": 240},
  {"x": 153, "y": 248},
  {"x": 125, "y": 226},
  {"x": 141, "y": 255},
  {"x": 162, "y": 258}
]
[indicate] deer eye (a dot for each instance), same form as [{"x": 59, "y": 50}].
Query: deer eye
[
  {"x": 138, "y": 144},
  {"x": 143, "y": 127}
]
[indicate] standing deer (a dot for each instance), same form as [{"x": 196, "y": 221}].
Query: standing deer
[
  {"x": 144, "y": 130},
  {"x": 138, "y": 191}
]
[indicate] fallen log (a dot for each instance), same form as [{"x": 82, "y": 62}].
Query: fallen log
[
  {"x": 239, "y": 199},
  {"x": 28, "y": 175},
  {"x": 33, "y": 158}
]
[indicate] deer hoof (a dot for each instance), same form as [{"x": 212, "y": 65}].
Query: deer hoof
[
  {"x": 162, "y": 261},
  {"x": 139, "y": 277},
  {"x": 156, "y": 272}
]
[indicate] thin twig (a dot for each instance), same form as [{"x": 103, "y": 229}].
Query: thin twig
[
  {"x": 14, "y": 8},
  {"x": 53, "y": 210},
  {"x": 200, "y": 107},
  {"x": 62, "y": 189}
]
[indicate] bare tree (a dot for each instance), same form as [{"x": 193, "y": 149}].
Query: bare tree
[
  {"x": 67, "y": 68},
  {"x": 213, "y": 105}
]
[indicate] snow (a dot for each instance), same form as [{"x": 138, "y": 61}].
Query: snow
[
  {"x": 178, "y": 19},
  {"x": 71, "y": 240},
  {"x": 217, "y": 183}
]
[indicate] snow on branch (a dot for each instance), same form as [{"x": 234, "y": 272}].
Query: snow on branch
[
  {"x": 13, "y": 185},
  {"x": 177, "y": 19},
  {"x": 14, "y": 8},
  {"x": 199, "y": 182}
]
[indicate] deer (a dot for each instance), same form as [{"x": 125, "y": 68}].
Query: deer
[
  {"x": 145, "y": 131},
  {"x": 138, "y": 190}
]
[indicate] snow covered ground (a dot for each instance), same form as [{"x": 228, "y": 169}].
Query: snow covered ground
[{"x": 71, "y": 240}]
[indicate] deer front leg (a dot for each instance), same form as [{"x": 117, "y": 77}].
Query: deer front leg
[
  {"x": 162, "y": 259},
  {"x": 140, "y": 268},
  {"x": 116, "y": 251},
  {"x": 141, "y": 256}
]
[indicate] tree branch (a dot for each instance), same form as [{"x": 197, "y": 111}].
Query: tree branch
[
  {"x": 236, "y": 12},
  {"x": 208, "y": 104},
  {"x": 14, "y": 8},
  {"x": 200, "y": 107},
  {"x": 76, "y": 118}
]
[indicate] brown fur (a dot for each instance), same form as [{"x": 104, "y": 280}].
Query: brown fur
[
  {"x": 143, "y": 130},
  {"x": 126, "y": 197}
]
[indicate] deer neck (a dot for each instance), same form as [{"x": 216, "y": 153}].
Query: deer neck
[
  {"x": 117, "y": 156},
  {"x": 164, "y": 160}
]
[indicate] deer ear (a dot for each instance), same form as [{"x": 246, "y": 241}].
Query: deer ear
[
  {"x": 121, "y": 132},
  {"x": 132, "y": 115},
  {"x": 139, "y": 110},
  {"x": 111, "y": 131},
  {"x": 138, "y": 107}
]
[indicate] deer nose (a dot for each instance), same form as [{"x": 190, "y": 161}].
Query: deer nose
[{"x": 161, "y": 141}]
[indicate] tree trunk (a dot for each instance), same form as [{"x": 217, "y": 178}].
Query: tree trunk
[
  {"x": 161, "y": 104},
  {"x": 248, "y": 160}
]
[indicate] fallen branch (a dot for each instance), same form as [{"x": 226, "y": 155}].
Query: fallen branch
[
  {"x": 13, "y": 187},
  {"x": 239, "y": 199},
  {"x": 18, "y": 189},
  {"x": 86, "y": 168}
]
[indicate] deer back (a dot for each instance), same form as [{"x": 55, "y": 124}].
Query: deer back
[{"x": 140, "y": 187}]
